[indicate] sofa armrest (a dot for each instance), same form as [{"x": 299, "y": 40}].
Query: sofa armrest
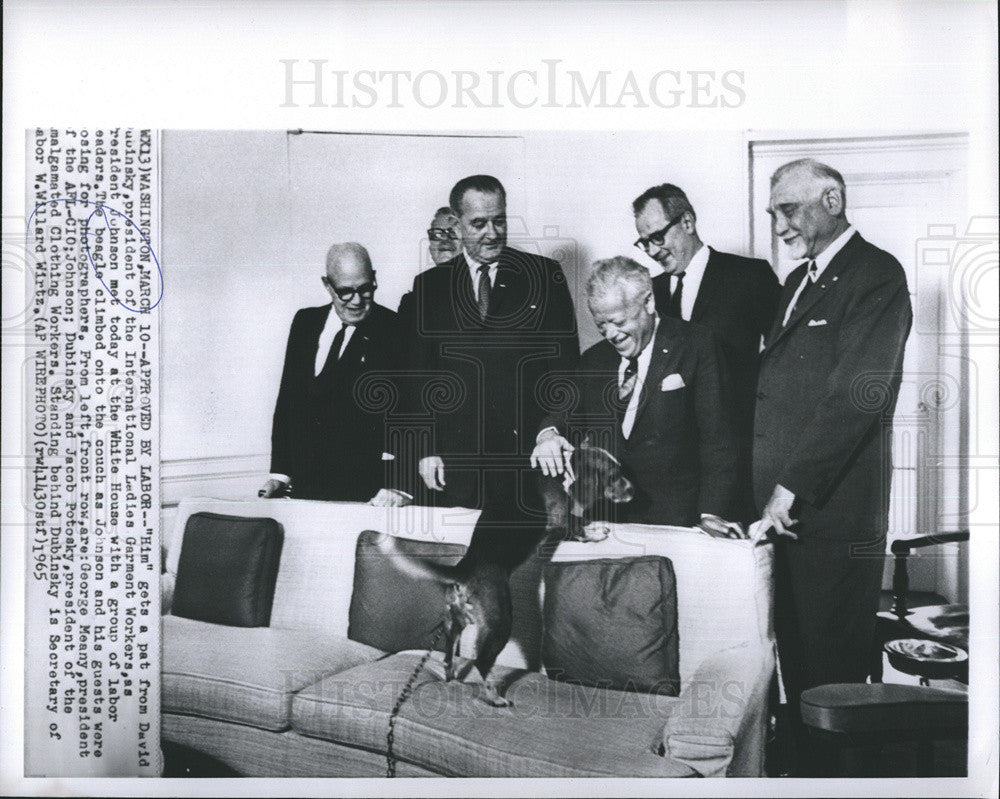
[
  {"x": 718, "y": 706},
  {"x": 167, "y": 581}
]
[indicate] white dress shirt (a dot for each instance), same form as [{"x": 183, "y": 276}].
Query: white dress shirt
[
  {"x": 326, "y": 337},
  {"x": 822, "y": 262},
  {"x": 693, "y": 274},
  {"x": 474, "y": 272},
  {"x": 644, "y": 358}
]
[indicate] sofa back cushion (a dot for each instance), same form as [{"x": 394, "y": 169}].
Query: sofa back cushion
[
  {"x": 227, "y": 570},
  {"x": 724, "y": 591},
  {"x": 724, "y": 586},
  {"x": 394, "y": 608},
  {"x": 612, "y": 623}
]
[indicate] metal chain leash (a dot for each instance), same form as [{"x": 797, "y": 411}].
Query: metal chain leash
[{"x": 390, "y": 760}]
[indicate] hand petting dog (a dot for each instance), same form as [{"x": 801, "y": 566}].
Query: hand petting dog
[{"x": 553, "y": 454}]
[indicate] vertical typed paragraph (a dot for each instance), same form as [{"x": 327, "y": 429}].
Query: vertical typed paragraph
[{"x": 93, "y": 554}]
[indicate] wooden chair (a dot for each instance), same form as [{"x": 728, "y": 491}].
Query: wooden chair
[
  {"x": 942, "y": 623},
  {"x": 863, "y": 718}
]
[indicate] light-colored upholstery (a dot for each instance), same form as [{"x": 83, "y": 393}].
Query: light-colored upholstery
[
  {"x": 724, "y": 601},
  {"x": 554, "y": 729},
  {"x": 247, "y": 674}
]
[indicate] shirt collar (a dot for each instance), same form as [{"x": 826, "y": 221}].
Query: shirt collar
[
  {"x": 475, "y": 264},
  {"x": 696, "y": 267},
  {"x": 823, "y": 259}
]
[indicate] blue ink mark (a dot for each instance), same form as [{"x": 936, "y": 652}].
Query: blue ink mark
[{"x": 101, "y": 210}]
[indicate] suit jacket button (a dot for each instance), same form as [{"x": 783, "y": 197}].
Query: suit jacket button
[{"x": 760, "y": 395}]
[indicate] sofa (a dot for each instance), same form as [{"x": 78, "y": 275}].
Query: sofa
[{"x": 299, "y": 698}]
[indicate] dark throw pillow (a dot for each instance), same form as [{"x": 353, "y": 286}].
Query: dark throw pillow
[
  {"x": 612, "y": 623},
  {"x": 227, "y": 569},
  {"x": 393, "y": 609}
]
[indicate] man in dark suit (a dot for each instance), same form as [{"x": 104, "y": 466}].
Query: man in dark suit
[
  {"x": 651, "y": 393},
  {"x": 830, "y": 371},
  {"x": 733, "y": 296},
  {"x": 325, "y": 444},
  {"x": 444, "y": 242},
  {"x": 487, "y": 326}
]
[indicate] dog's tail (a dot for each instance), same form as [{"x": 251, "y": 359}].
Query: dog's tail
[{"x": 417, "y": 567}]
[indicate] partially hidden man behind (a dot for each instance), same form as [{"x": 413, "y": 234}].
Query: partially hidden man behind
[
  {"x": 821, "y": 447},
  {"x": 735, "y": 297},
  {"x": 444, "y": 242},
  {"x": 487, "y": 325},
  {"x": 651, "y": 393},
  {"x": 324, "y": 444}
]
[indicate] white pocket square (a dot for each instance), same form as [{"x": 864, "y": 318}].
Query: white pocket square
[
  {"x": 816, "y": 322},
  {"x": 672, "y": 382}
]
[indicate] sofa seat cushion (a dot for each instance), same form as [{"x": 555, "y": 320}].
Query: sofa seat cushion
[
  {"x": 554, "y": 729},
  {"x": 247, "y": 675}
]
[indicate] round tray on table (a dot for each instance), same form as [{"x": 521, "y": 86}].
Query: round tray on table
[{"x": 928, "y": 659}]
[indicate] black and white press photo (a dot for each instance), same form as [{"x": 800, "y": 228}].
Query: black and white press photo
[{"x": 509, "y": 412}]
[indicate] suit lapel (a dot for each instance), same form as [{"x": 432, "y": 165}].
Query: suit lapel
[
  {"x": 795, "y": 277},
  {"x": 709, "y": 286},
  {"x": 841, "y": 261},
  {"x": 315, "y": 331},
  {"x": 662, "y": 357},
  {"x": 463, "y": 294},
  {"x": 357, "y": 348},
  {"x": 506, "y": 284}
]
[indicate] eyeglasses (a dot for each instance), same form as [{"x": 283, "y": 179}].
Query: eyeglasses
[
  {"x": 656, "y": 238},
  {"x": 442, "y": 234},
  {"x": 347, "y": 293}
]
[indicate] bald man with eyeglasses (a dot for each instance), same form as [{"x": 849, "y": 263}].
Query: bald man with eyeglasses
[{"x": 324, "y": 443}]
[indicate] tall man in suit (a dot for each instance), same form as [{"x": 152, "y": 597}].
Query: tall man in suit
[
  {"x": 487, "y": 326},
  {"x": 829, "y": 375},
  {"x": 733, "y": 296},
  {"x": 324, "y": 443},
  {"x": 666, "y": 419}
]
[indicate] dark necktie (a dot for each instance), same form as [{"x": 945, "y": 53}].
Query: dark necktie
[
  {"x": 334, "y": 354},
  {"x": 484, "y": 290},
  {"x": 674, "y": 306},
  {"x": 629, "y": 378},
  {"x": 808, "y": 282}
]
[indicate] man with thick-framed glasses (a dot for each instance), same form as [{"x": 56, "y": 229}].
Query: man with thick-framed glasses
[
  {"x": 733, "y": 296},
  {"x": 444, "y": 239},
  {"x": 324, "y": 443}
]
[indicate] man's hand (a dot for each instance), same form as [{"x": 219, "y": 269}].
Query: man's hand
[
  {"x": 432, "y": 472},
  {"x": 390, "y": 498},
  {"x": 273, "y": 488},
  {"x": 718, "y": 527},
  {"x": 552, "y": 454},
  {"x": 777, "y": 514}
]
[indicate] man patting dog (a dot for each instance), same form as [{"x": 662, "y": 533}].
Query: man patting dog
[{"x": 651, "y": 393}]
